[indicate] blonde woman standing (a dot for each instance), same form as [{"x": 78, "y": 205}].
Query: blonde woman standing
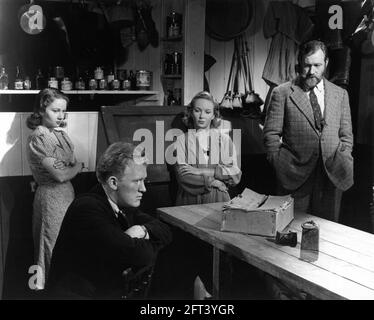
[
  {"x": 206, "y": 167},
  {"x": 206, "y": 158}
]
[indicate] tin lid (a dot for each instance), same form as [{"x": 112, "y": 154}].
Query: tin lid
[{"x": 309, "y": 225}]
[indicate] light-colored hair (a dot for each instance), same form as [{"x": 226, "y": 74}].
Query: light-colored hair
[
  {"x": 115, "y": 159},
  {"x": 43, "y": 100},
  {"x": 188, "y": 119}
]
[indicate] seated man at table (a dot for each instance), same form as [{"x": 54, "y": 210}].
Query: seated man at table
[{"x": 103, "y": 232}]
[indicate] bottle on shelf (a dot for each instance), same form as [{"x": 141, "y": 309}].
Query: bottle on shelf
[
  {"x": 171, "y": 100},
  {"x": 59, "y": 73},
  {"x": 4, "y": 80},
  {"x": 116, "y": 84},
  {"x": 174, "y": 27},
  {"x": 177, "y": 63},
  {"x": 109, "y": 79},
  {"x": 86, "y": 78},
  {"x": 168, "y": 64},
  {"x": 79, "y": 84},
  {"x": 177, "y": 93},
  {"x": 132, "y": 80},
  {"x": 18, "y": 82},
  {"x": 40, "y": 80}
]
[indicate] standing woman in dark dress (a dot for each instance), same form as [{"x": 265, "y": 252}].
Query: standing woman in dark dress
[{"x": 53, "y": 165}]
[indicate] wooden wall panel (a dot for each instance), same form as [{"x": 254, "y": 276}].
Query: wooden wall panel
[
  {"x": 194, "y": 41},
  {"x": 78, "y": 132},
  {"x": 10, "y": 144},
  {"x": 25, "y": 132},
  {"x": 92, "y": 140},
  {"x": 218, "y": 75},
  {"x": 82, "y": 129}
]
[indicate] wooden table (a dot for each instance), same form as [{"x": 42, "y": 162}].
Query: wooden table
[{"x": 344, "y": 269}]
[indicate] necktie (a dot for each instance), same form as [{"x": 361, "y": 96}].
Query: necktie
[
  {"x": 316, "y": 110},
  {"x": 122, "y": 219}
]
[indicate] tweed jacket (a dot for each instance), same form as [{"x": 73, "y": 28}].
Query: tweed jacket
[
  {"x": 294, "y": 144},
  {"x": 92, "y": 249}
]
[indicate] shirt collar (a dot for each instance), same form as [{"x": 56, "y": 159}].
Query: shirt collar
[
  {"x": 320, "y": 86},
  {"x": 114, "y": 206}
]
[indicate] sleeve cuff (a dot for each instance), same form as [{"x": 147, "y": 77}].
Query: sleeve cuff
[{"x": 208, "y": 182}]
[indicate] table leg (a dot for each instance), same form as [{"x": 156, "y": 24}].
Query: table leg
[{"x": 216, "y": 254}]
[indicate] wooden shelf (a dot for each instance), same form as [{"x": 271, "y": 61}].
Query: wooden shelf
[
  {"x": 111, "y": 92},
  {"x": 175, "y": 38},
  {"x": 172, "y": 76}
]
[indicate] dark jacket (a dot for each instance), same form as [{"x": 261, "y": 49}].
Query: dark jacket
[{"x": 92, "y": 249}]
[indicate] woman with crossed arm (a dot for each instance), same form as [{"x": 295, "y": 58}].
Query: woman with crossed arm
[{"x": 51, "y": 158}]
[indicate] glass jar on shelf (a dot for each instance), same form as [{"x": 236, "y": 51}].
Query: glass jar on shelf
[
  {"x": 92, "y": 84},
  {"x": 79, "y": 84},
  {"x": 126, "y": 84},
  {"x": 52, "y": 83},
  {"x": 4, "y": 80},
  {"x": 116, "y": 84},
  {"x": 27, "y": 83},
  {"x": 66, "y": 84},
  {"x": 103, "y": 84}
]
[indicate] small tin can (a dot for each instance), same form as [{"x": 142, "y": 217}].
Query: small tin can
[
  {"x": 102, "y": 84},
  {"x": 309, "y": 241},
  {"x": 27, "y": 83},
  {"x": 92, "y": 84},
  {"x": 126, "y": 84},
  {"x": 79, "y": 84},
  {"x": 53, "y": 83},
  {"x": 143, "y": 79},
  {"x": 116, "y": 84},
  {"x": 66, "y": 84}
]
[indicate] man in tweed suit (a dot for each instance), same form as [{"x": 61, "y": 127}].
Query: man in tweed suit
[{"x": 308, "y": 136}]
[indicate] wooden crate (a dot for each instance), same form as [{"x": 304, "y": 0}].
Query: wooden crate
[{"x": 263, "y": 221}]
